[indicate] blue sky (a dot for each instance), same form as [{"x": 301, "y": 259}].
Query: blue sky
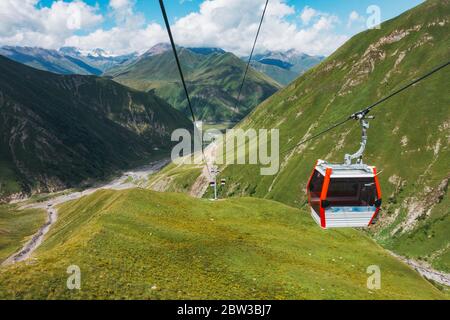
[
  {"x": 121, "y": 26},
  {"x": 180, "y": 8}
]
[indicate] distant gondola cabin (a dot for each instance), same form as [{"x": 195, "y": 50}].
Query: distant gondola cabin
[{"x": 344, "y": 195}]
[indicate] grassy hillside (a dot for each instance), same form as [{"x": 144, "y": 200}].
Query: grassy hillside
[
  {"x": 58, "y": 131},
  {"x": 147, "y": 245},
  {"x": 213, "y": 81},
  {"x": 175, "y": 178},
  {"x": 408, "y": 140},
  {"x": 16, "y": 226}
]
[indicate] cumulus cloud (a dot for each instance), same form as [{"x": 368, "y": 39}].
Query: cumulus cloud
[
  {"x": 123, "y": 13},
  {"x": 119, "y": 4},
  {"x": 131, "y": 32},
  {"x": 228, "y": 24},
  {"x": 354, "y": 17},
  {"x": 22, "y": 23},
  {"x": 307, "y": 14},
  {"x": 119, "y": 40},
  {"x": 232, "y": 24}
]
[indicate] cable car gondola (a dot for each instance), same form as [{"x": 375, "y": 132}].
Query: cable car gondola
[{"x": 345, "y": 195}]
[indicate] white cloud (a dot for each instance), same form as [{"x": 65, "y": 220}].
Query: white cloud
[
  {"x": 121, "y": 40},
  {"x": 307, "y": 14},
  {"x": 325, "y": 23},
  {"x": 22, "y": 23},
  {"x": 119, "y": 4},
  {"x": 123, "y": 13},
  {"x": 354, "y": 17},
  {"x": 232, "y": 25},
  {"x": 228, "y": 24},
  {"x": 131, "y": 33}
]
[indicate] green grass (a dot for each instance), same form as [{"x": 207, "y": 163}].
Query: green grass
[
  {"x": 174, "y": 178},
  {"x": 138, "y": 244},
  {"x": 16, "y": 227}
]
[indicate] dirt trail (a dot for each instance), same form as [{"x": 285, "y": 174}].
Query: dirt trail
[
  {"x": 36, "y": 240},
  {"x": 128, "y": 180},
  {"x": 200, "y": 185}
]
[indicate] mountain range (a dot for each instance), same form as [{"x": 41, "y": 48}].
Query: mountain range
[
  {"x": 67, "y": 60},
  {"x": 269, "y": 72},
  {"x": 59, "y": 131},
  {"x": 213, "y": 77},
  {"x": 284, "y": 67}
]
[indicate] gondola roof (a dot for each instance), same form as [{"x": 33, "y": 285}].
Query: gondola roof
[{"x": 345, "y": 171}]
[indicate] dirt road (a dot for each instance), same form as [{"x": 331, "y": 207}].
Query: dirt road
[
  {"x": 201, "y": 184},
  {"x": 128, "y": 180}
]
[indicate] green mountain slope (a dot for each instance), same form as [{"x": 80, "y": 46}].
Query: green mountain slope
[
  {"x": 281, "y": 75},
  {"x": 147, "y": 245},
  {"x": 284, "y": 67},
  {"x": 408, "y": 140},
  {"x": 213, "y": 82},
  {"x": 58, "y": 131}
]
